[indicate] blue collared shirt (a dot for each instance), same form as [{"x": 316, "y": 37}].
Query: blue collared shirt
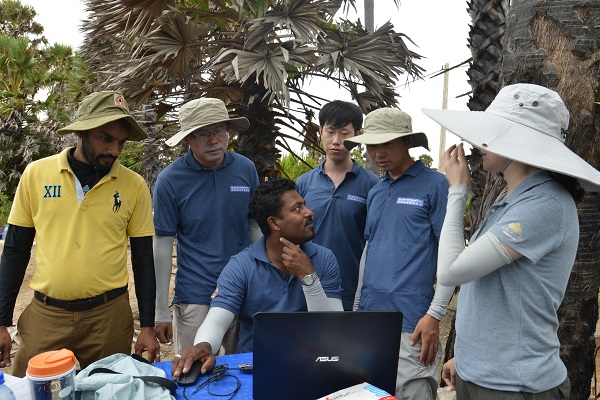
[
  {"x": 339, "y": 218},
  {"x": 207, "y": 209},
  {"x": 514, "y": 307},
  {"x": 404, "y": 221},
  {"x": 250, "y": 283}
]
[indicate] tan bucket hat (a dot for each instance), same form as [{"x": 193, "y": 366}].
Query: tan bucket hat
[
  {"x": 201, "y": 112},
  {"x": 384, "y": 125},
  {"x": 100, "y": 108},
  {"x": 526, "y": 123}
]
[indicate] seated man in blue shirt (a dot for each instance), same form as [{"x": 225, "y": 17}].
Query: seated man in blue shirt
[{"x": 282, "y": 271}]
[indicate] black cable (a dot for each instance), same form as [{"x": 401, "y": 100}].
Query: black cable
[{"x": 218, "y": 373}]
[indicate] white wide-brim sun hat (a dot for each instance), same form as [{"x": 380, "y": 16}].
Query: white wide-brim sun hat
[{"x": 526, "y": 123}]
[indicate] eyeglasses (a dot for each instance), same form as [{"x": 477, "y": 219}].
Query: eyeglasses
[{"x": 203, "y": 135}]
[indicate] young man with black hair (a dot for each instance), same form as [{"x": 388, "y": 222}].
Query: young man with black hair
[
  {"x": 283, "y": 271},
  {"x": 337, "y": 191}
]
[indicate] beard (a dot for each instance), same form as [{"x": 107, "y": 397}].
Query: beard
[{"x": 101, "y": 162}]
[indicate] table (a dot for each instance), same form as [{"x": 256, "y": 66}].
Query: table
[{"x": 226, "y": 385}]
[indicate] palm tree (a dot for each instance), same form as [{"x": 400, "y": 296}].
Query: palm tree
[
  {"x": 555, "y": 45},
  {"x": 552, "y": 44},
  {"x": 255, "y": 55},
  {"x": 488, "y": 28}
]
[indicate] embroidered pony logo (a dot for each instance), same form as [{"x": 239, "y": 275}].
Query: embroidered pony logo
[{"x": 117, "y": 203}]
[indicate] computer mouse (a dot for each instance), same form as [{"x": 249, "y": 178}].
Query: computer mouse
[{"x": 191, "y": 376}]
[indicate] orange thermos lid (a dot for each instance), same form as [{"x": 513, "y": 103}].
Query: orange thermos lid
[{"x": 51, "y": 363}]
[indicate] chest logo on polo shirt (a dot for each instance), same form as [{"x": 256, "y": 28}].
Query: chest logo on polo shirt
[
  {"x": 513, "y": 230},
  {"x": 52, "y": 191},
  {"x": 245, "y": 189},
  {"x": 410, "y": 202},
  {"x": 117, "y": 202},
  {"x": 352, "y": 197},
  {"x": 212, "y": 296}
]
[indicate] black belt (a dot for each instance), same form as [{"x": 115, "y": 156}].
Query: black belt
[{"x": 81, "y": 304}]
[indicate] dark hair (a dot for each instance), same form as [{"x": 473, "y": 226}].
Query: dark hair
[
  {"x": 340, "y": 113},
  {"x": 266, "y": 201},
  {"x": 569, "y": 183}
]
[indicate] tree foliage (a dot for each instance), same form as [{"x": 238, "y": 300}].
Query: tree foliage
[
  {"x": 255, "y": 55},
  {"x": 39, "y": 83}
]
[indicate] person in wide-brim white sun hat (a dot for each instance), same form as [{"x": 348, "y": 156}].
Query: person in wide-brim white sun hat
[
  {"x": 526, "y": 123},
  {"x": 514, "y": 272}
]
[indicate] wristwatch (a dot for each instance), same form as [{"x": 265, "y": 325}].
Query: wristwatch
[{"x": 309, "y": 279}]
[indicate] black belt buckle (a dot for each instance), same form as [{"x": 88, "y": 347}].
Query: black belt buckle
[
  {"x": 86, "y": 304},
  {"x": 83, "y": 304}
]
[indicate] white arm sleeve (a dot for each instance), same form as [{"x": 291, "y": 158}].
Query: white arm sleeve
[
  {"x": 317, "y": 300},
  {"x": 163, "y": 264},
  {"x": 213, "y": 327},
  {"x": 458, "y": 264},
  {"x": 361, "y": 272},
  {"x": 255, "y": 232}
]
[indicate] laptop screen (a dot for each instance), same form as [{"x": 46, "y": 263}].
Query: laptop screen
[{"x": 308, "y": 355}]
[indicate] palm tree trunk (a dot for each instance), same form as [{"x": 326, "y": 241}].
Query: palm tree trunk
[
  {"x": 555, "y": 44},
  {"x": 485, "y": 41},
  {"x": 370, "y": 15},
  {"x": 370, "y": 26}
]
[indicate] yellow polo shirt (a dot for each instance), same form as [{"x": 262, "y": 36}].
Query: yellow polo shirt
[{"x": 81, "y": 247}]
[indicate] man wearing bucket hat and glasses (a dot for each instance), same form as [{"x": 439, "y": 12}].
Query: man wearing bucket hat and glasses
[
  {"x": 202, "y": 199},
  {"x": 405, "y": 212},
  {"x": 514, "y": 273},
  {"x": 81, "y": 206}
]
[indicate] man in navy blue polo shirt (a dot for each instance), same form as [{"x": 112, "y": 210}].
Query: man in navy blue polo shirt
[
  {"x": 404, "y": 221},
  {"x": 336, "y": 191},
  {"x": 202, "y": 199},
  {"x": 283, "y": 271}
]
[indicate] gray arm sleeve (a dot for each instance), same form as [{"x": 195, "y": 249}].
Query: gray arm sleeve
[
  {"x": 255, "y": 232},
  {"x": 317, "y": 300},
  {"x": 361, "y": 272},
  {"x": 163, "y": 264},
  {"x": 458, "y": 264},
  {"x": 439, "y": 304},
  {"x": 213, "y": 327}
]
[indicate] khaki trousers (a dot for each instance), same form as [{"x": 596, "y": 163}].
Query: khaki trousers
[{"x": 91, "y": 335}]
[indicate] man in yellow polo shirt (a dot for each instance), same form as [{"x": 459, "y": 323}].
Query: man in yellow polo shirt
[{"x": 81, "y": 206}]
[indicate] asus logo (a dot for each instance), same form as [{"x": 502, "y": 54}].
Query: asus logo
[{"x": 327, "y": 359}]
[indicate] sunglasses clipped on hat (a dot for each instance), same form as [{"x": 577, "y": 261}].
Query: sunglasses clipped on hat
[
  {"x": 202, "y": 112},
  {"x": 100, "y": 108},
  {"x": 384, "y": 125},
  {"x": 526, "y": 123}
]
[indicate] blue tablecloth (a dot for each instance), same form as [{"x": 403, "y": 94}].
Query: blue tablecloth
[{"x": 226, "y": 385}]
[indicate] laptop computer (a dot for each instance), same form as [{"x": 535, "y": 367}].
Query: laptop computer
[{"x": 308, "y": 355}]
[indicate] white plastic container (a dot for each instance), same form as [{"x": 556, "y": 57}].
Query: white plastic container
[{"x": 52, "y": 375}]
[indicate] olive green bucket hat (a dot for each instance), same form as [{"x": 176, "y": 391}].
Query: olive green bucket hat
[
  {"x": 384, "y": 125},
  {"x": 100, "y": 108}
]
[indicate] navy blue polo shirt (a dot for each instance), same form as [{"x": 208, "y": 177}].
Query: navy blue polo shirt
[
  {"x": 340, "y": 216},
  {"x": 404, "y": 221},
  {"x": 250, "y": 283},
  {"x": 207, "y": 209}
]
